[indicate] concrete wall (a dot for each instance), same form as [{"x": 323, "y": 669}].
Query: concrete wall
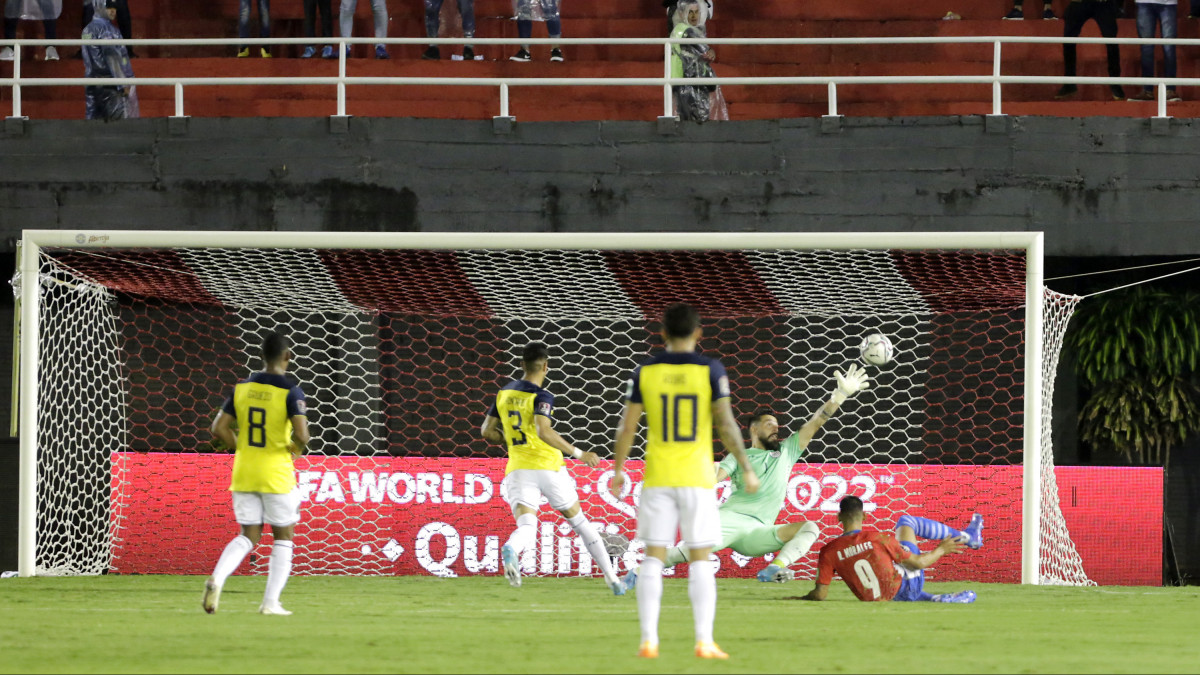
[{"x": 1096, "y": 186}]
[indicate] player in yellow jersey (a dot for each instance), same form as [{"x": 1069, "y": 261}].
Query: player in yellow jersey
[
  {"x": 269, "y": 413},
  {"x": 520, "y": 418},
  {"x": 681, "y": 392}
]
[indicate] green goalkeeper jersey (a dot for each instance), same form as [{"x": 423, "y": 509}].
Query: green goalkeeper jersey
[{"x": 774, "y": 469}]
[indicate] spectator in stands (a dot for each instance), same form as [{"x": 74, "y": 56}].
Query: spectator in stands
[
  {"x": 379, "y": 10},
  {"x": 1105, "y": 16},
  {"x": 1162, "y": 13},
  {"x": 692, "y": 102},
  {"x": 264, "y": 28},
  {"x": 310, "y": 26},
  {"x": 529, "y": 11},
  {"x": 107, "y": 60},
  {"x": 123, "y": 22},
  {"x": 672, "y": 4},
  {"x": 46, "y": 11},
  {"x": 1019, "y": 13},
  {"x": 433, "y": 15}
]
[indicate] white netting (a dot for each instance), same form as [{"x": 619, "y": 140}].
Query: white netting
[{"x": 400, "y": 351}]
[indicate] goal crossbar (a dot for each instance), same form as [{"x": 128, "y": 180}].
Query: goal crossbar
[{"x": 34, "y": 240}]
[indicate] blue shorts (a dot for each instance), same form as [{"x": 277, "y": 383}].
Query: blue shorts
[{"x": 912, "y": 587}]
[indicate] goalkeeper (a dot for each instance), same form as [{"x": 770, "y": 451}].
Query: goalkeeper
[{"x": 748, "y": 520}]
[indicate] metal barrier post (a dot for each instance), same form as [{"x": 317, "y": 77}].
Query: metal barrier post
[
  {"x": 996, "y": 82},
  {"x": 178, "y": 100},
  {"x": 16, "y": 111}
]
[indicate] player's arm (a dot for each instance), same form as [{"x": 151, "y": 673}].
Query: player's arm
[
  {"x": 222, "y": 429},
  {"x": 920, "y": 562},
  {"x": 300, "y": 436},
  {"x": 625, "y": 433},
  {"x": 547, "y": 433},
  {"x": 818, "y": 593},
  {"x": 731, "y": 437},
  {"x": 491, "y": 429},
  {"x": 846, "y": 384}
]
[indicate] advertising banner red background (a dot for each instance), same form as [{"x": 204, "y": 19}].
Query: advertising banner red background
[{"x": 446, "y": 516}]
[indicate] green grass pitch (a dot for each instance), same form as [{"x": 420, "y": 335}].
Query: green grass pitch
[{"x": 480, "y": 625}]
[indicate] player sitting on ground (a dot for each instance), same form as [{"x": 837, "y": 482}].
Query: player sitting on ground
[
  {"x": 876, "y": 567},
  {"x": 748, "y": 520},
  {"x": 520, "y": 419},
  {"x": 272, "y": 428}
]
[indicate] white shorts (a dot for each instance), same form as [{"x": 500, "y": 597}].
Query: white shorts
[
  {"x": 529, "y": 486},
  {"x": 257, "y": 508},
  {"x": 692, "y": 511}
]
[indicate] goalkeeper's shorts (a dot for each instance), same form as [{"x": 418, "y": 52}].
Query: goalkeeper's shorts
[{"x": 748, "y": 535}]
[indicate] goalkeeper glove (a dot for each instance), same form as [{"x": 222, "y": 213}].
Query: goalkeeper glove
[{"x": 849, "y": 383}]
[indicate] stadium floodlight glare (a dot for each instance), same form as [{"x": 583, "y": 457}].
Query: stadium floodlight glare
[{"x": 128, "y": 341}]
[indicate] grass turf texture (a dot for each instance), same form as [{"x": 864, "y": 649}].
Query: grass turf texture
[{"x": 480, "y": 625}]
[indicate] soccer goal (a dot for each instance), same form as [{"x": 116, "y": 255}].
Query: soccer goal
[{"x": 130, "y": 341}]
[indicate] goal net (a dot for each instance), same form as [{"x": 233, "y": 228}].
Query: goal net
[{"x": 400, "y": 346}]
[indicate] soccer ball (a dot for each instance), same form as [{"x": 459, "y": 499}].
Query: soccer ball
[{"x": 876, "y": 349}]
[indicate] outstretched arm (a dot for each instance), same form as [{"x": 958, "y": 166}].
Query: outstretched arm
[
  {"x": 846, "y": 385},
  {"x": 624, "y": 443},
  {"x": 731, "y": 438},
  {"x": 548, "y": 434}
]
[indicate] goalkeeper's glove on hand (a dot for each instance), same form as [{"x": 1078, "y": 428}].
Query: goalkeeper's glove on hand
[{"x": 851, "y": 382}]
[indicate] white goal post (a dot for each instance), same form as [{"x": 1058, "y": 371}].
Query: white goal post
[{"x": 33, "y": 281}]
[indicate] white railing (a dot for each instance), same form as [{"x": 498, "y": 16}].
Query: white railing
[{"x": 341, "y": 81}]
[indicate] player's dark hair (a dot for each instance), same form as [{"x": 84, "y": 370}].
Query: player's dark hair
[
  {"x": 850, "y": 506},
  {"x": 532, "y": 354},
  {"x": 274, "y": 346},
  {"x": 757, "y": 417},
  {"x": 680, "y": 320}
]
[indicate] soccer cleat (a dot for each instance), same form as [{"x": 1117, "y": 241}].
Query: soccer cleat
[
  {"x": 51, "y": 54},
  {"x": 709, "y": 650},
  {"x": 266, "y": 54},
  {"x": 961, "y": 597},
  {"x": 381, "y": 53},
  {"x": 243, "y": 52},
  {"x": 973, "y": 533},
  {"x": 522, "y": 56},
  {"x": 617, "y": 586},
  {"x": 309, "y": 52},
  {"x": 556, "y": 55},
  {"x": 212, "y": 596},
  {"x": 630, "y": 580},
  {"x": 512, "y": 570},
  {"x": 648, "y": 650},
  {"x": 327, "y": 52},
  {"x": 775, "y": 573},
  {"x": 432, "y": 54},
  {"x": 468, "y": 53},
  {"x": 1016, "y": 13},
  {"x": 273, "y": 610}
]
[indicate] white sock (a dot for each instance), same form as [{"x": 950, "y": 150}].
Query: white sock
[
  {"x": 702, "y": 590},
  {"x": 799, "y": 545},
  {"x": 595, "y": 547},
  {"x": 231, "y": 557},
  {"x": 278, "y": 570},
  {"x": 675, "y": 556},
  {"x": 649, "y": 597},
  {"x": 524, "y": 535}
]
